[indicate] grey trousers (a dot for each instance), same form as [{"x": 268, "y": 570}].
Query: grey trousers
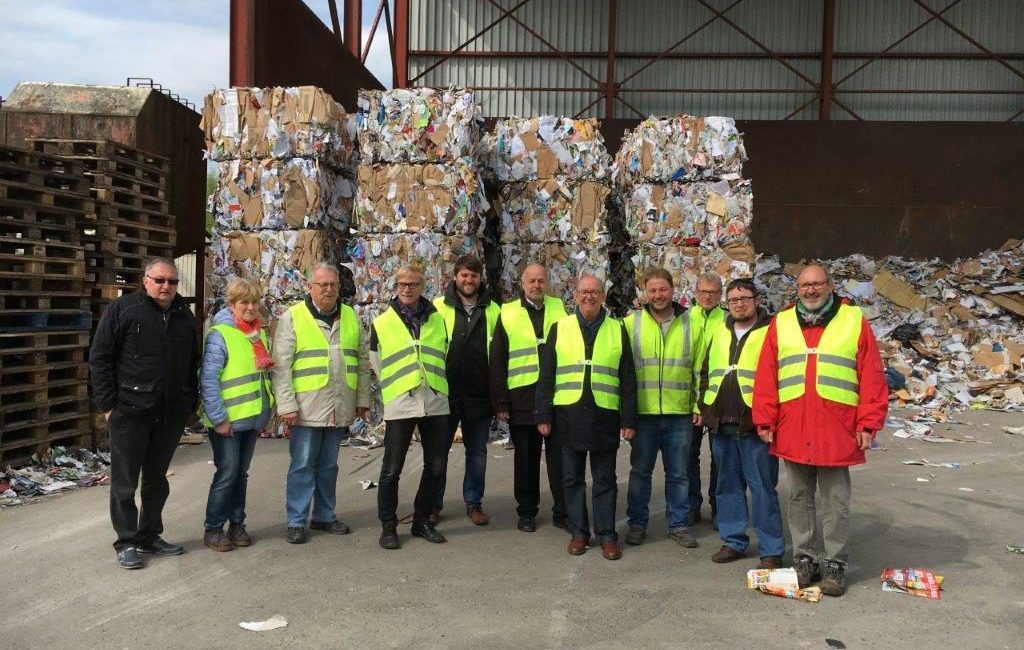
[{"x": 832, "y": 485}]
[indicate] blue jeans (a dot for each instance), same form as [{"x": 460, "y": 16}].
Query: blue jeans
[
  {"x": 670, "y": 434},
  {"x": 474, "y": 439},
  {"x": 312, "y": 474},
  {"x": 231, "y": 456},
  {"x": 604, "y": 492},
  {"x": 745, "y": 460}
]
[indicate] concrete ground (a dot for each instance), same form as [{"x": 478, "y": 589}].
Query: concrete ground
[{"x": 496, "y": 587}]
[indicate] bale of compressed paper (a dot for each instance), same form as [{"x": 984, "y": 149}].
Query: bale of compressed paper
[
  {"x": 564, "y": 263},
  {"x": 281, "y": 194},
  {"x": 711, "y": 214},
  {"x": 659, "y": 150},
  {"x": 418, "y": 125},
  {"x": 377, "y": 257},
  {"x": 281, "y": 261},
  {"x": 538, "y": 148},
  {"x": 444, "y": 197},
  {"x": 553, "y": 210},
  {"x": 292, "y": 122}
]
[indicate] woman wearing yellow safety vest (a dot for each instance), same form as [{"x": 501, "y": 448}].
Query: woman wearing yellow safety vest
[{"x": 237, "y": 401}]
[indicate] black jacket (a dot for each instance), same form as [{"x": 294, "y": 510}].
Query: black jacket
[
  {"x": 469, "y": 396},
  {"x": 585, "y": 426},
  {"x": 144, "y": 361},
  {"x": 729, "y": 406},
  {"x": 520, "y": 403}
]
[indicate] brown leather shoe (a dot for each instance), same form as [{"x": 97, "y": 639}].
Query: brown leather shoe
[
  {"x": 726, "y": 554},
  {"x": 578, "y": 545},
  {"x": 434, "y": 517},
  {"x": 610, "y": 550},
  {"x": 770, "y": 562},
  {"x": 216, "y": 540},
  {"x": 477, "y": 516}
]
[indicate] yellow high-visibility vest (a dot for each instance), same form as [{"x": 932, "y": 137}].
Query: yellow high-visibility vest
[
  {"x": 241, "y": 383},
  {"x": 311, "y": 359},
  {"x": 664, "y": 363},
  {"x": 405, "y": 361},
  {"x": 523, "y": 358},
  {"x": 745, "y": 367},
  {"x": 837, "y": 356},
  {"x": 572, "y": 361}
]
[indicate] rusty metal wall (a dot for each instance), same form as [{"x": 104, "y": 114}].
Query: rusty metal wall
[
  {"x": 283, "y": 43},
  {"x": 917, "y": 189}
]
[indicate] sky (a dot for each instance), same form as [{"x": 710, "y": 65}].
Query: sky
[{"x": 180, "y": 44}]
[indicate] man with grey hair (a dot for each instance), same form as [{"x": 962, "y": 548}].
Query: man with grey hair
[
  {"x": 144, "y": 364},
  {"x": 706, "y": 315},
  {"x": 321, "y": 382}
]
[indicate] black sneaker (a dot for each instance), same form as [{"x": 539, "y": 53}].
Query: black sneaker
[
  {"x": 807, "y": 571},
  {"x": 336, "y": 527},
  {"x": 157, "y": 546},
  {"x": 128, "y": 558},
  {"x": 635, "y": 536},
  {"x": 389, "y": 538},
  {"x": 833, "y": 582},
  {"x": 296, "y": 535},
  {"x": 527, "y": 524},
  {"x": 428, "y": 532}
]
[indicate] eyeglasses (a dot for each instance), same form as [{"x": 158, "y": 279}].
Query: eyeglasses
[
  {"x": 806, "y": 286},
  {"x": 161, "y": 281},
  {"x": 711, "y": 292},
  {"x": 408, "y": 285},
  {"x": 324, "y": 286},
  {"x": 740, "y": 300},
  {"x": 588, "y": 292}
]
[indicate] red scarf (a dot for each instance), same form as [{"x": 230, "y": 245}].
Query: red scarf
[{"x": 252, "y": 332}]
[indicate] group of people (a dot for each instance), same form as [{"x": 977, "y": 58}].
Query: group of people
[{"x": 806, "y": 386}]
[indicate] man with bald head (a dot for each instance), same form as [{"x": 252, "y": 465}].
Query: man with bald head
[
  {"x": 587, "y": 399},
  {"x": 144, "y": 364},
  {"x": 820, "y": 397},
  {"x": 519, "y": 339}
]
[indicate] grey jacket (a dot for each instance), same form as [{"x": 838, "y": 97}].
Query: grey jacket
[
  {"x": 331, "y": 406},
  {"x": 215, "y": 357}
]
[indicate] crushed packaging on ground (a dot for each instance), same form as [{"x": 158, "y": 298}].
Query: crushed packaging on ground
[
  {"x": 913, "y": 581},
  {"x": 294, "y": 122}
]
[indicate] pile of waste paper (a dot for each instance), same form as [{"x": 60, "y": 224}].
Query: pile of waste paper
[
  {"x": 58, "y": 470},
  {"x": 951, "y": 334},
  {"x": 552, "y": 177},
  {"x": 286, "y": 164}
]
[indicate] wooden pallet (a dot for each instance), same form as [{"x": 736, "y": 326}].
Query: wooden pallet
[
  {"x": 20, "y": 320},
  {"x": 40, "y": 248},
  {"x": 104, "y": 179},
  {"x": 25, "y": 343},
  {"x": 46, "y": 196},
  {"x": 31, "y": 420},
  {"x": 29, "y": 393},
  {"x": 13, "y": 265},
  {"x": 24, "y": 220},
  {"x": 43, "y": 301},
  {"x": 129, "y": 198},
  {"x": 53, "y": 171},
  {"x": 114, "y": 246},
  {"x": 66, "y": 431},
  {"x": 130, "y": 214},
  {"x": 84, "y": 148},
  {"x": 27, "y": 374},
  {"x": 114, "y": 229}
]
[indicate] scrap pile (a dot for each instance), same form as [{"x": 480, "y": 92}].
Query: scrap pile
[
  {"x": 552, "y": 175},
  {"x": 683, "y": 201},
  {"x": 285, "y": 162},
  {"x": 419, "y": 196},
  {"x": 44, "y": 304},
  {"x": 54, "y": 470},
  {"x": 951, "y": 334}
]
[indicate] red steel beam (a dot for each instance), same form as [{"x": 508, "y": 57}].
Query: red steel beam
[
  {"x": 373, "y": 32},
  {"x": 828, "y": 36},
  {"x": 967, "y": 37},
  {"x": 353, "y": 25},
  {"x": 332, "y": 6},
  {"x": 242, "y": 63},
  {"x": 400, "y": 47},
  {"x": 609, "y": 93},
  {"x": 619, "y": 54}
]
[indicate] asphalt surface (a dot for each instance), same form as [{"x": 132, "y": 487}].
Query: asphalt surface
[{"x": 496, "y": 587}]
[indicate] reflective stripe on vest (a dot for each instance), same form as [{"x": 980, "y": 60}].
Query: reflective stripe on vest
[
  {"x": 719, "y": 347},
  {"x": 703, "y": 324},
  {"x": 523, "y": 359},
  {"x": 664, "y": 364},
  {"x": 404, "y": 361},
  {"x": 570, "y": 371},
  {"x": 491, "y": 313},
  {"x": 311, "y": 359},
  {"x": 241, "y": 383},
  {"x": 836, "y": 352}
]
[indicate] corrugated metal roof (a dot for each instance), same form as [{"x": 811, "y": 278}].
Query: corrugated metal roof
[{"x": 785, "y": 26}]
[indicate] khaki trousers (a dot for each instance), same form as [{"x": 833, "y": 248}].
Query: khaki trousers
[{"x": 831, "y": 486}]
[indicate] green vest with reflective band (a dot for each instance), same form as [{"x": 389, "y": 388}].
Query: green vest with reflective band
[
  {"x": 702, "y": 325},
  {"x": 523, "y": 359},
  {"x": 311, "y": 360},
  {"x": 241, "y": 383},
  {"x": 745, "y": 367},
  {"x": 664, "y": 363},
  {"x": 836, "y": 352},
  {"x": 571, "y": 353},
  {"x": 404, "y": 361},
  {"x": 448, "y": 313}
]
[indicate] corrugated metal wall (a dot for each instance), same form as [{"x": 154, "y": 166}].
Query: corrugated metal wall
[{"x": 746, "y": 84}]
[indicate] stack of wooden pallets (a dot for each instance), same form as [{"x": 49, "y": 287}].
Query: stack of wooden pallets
[{"x": 44, "y": 304}]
